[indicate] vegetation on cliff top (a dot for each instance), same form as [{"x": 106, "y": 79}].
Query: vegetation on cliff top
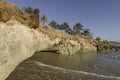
[
  {"x": 64, "y": 27},
  {"x": 76, "y": 30}
]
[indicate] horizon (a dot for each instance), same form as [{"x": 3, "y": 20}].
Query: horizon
[{"x": 102, "y": 17}]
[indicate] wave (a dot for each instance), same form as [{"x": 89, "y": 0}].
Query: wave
[{"x": 74, "y": 71}]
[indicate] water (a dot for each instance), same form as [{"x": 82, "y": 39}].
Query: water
[{"x": 84, "y": 66}]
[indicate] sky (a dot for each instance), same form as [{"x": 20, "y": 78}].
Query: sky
[{"x": 102, "y": 17}]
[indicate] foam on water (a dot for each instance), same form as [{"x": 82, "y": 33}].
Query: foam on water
[{"x": 74, "y": 71}]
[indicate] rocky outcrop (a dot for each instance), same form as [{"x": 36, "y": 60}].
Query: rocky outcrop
[
  {"x": 71, "y": 46},
  {"x": 35, "y": 18},
  {"x": 103, "y": 46},
  {"x": 64, "y": 43},
  {"x": 18, "y": 42}
]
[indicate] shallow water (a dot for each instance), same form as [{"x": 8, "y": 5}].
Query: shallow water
[{"x": 83, "y": 66}]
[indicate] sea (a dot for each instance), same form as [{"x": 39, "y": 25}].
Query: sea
[{"x": 81, "y": 66}]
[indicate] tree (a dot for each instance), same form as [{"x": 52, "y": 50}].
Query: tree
[
  {"x": 28, "y": 9},
  {"x": 54, "y": 24},
  {"x": 64, "y": 26},
  {"x": 44, "y": 19},
  {"x": 77, "y": 28},
  {"x": 69, "y": 30},
  {"x": 86, "y": 32},
  {"x": 98, "y": 38}
]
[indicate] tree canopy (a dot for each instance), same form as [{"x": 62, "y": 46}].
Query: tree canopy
[
  {"x": 44, "y": 19},
  {"x": 86, "y": 32},
  {"x": 64, "y": 26},
  {"x": 28, "y": 9},
  {"x": 53, "y": 24},
  {"x": 77, "y": 28}
]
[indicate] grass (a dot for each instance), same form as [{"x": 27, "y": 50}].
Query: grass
[{"x": 7, "y": 10}]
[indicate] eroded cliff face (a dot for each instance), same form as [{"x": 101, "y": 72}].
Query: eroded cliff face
[
  {"x": 18, "y": 42},
  {"x": 68, "y": 44},
  {"x": 71, "y": 46}
]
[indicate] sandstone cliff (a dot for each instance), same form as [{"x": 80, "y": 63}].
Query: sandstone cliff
[
  {"x": 18, "y": 41},
  {"x": 67, "y": 44}
]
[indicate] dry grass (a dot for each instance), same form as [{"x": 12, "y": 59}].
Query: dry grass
[
  {"x": 52, "y": 33},
  {"x": 7, "y": 10}
]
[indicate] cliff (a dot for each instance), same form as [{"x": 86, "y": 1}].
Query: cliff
[
  {"x": 67, "y": 44},
  {"x": 19, "y": 41}
]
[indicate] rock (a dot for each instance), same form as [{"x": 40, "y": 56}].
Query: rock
[
  {"x": 103, "y": 46},
  {"x": 71, "y": 46},
  {"x": 17, "y": 43},
  {"x": 35, "y": 18},
  {"x": 93, "y": 66}
]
